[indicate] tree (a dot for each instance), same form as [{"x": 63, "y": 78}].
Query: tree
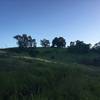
[
  {"x": 72, "y": 44},
  {"x": 25, "y": 41},
  {"x": 30, "y": 41},
  {"x": 82, "y": 46},
  {"x": 19, "y": 39},
  {"x": 97, "y": 46},
  {"x": 45, "y": 43},
  {"x": 34, "y": 43},
  {"x": 54, "y": 42},
  {"x": 59, "y": 42},
  {"x": 79, "y": 47}
]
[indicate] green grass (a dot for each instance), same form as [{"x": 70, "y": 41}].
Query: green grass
[
  {"x": 27, "y": 79},
  {"x": 63, "y": 55}
]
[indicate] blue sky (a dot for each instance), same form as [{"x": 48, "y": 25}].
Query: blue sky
[{"x": 72, "y": 19}]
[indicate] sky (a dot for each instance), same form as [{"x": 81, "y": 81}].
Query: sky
[{"x": 72, "y": 19}]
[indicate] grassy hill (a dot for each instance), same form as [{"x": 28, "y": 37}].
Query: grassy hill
[{"x": 61, "y": 77}]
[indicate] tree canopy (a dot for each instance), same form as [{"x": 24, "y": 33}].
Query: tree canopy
[
  {"x": 79, "y": 46},
  {"x": 45, "y": 43},
  {"x": 58, "y": 42},
  {"x": 25, "y": 41}
]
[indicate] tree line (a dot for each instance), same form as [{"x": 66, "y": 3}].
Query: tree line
[{"x": 25, "y": 41}]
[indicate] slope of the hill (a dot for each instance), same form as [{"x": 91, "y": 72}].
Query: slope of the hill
[
  {"x": 26, "y": 78},
  {"x": 58, "y": 55}
]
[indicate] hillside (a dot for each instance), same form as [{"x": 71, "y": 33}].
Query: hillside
[{"x": 47, "y": 74}]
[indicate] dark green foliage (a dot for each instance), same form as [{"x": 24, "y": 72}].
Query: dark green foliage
[
  {"x": 45, "y": 43},
  {"x": 54, "y": 42},
  {"x": 79, "y": 47},
  {"x": 25, "y": 41},
  {"x": 96, "y": 48},
  {"x": 58, "y": 42}
]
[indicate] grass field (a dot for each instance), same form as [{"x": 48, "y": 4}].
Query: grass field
[{"x": 31, "y": 79}]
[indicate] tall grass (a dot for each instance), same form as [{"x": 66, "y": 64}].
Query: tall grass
[{"x": 22, "y": 79}]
